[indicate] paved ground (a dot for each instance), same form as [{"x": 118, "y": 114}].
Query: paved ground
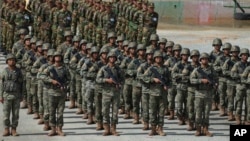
[{"x": 76, "y": 128}]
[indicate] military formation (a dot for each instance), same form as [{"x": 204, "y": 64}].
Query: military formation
[{"x": 106, "y": 57}]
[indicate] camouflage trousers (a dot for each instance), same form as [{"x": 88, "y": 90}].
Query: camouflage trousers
[
  {"x": 157, "y": 105},
  {"x": 247, "y": 109},
  {"x": 127, "y": 95},
  {"x": 121, "y": 97},
  {"x": 34, "y": 95},
  {"x": 11, "y": 106},
  {"x": 222, "y": 88},
  {"x": 231, "y": 91},
  {"x": 181, "y": 100},
  {"x": 10, "y": 38},
  {"x": 171, "y": 97},
  {"x": 190, "y": 104},
  {"x": 136, "y": 98},
  {"x": 240, "y": 97},
  {"x": 83, "y": 92},
  {"x": 79, "y": 92},
  {"x": 72, "y": 86},
  {"x": 57, "y": 106},
  {"x": 145, "y": 107},
  {"x": 98, "y": 104},
  {"x": 46, "y": 104},
  {"x": 28, "y": 87},
  {"x": 90, "y": 94},
  {"x": 203, "y": 108},
  {"x": 110, "y": 99},
  {"x": 40, "y": 97}
]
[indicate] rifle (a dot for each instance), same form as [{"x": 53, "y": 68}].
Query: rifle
[
  {"x": 208, "y": 77},
  {"x": 58, "y": 79},
  {"x": 114, "y": 78},
  {"x": 159, "y": 76}
]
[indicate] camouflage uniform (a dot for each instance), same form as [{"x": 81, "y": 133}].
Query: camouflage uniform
[
  {"x": 158, "y": 93},
  {"x": 63, "y": 47},
  {"x": 108, "y": 76},
  {"x": 11, "y": 95},
  {"x": 204, "y": 77},
  {"x": 231, "y": 83},
  {"x": 19, "y": 44},
  {"x": 57, "y": 77},
  {"x": 238, "y": 74}
]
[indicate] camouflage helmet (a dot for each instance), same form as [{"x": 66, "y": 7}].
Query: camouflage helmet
[
  {"x": 125, "y": 43},
  {"x": 185, "y": 51},
  {"x": 177, "y": 47},
  {"x": 33, "y": 40},
  {"x": 120, "y": 38},
  {"x": 112, "y": 35},
  {"x": 235, "y": 48},
  {"x": 27, "y": 37},
  {"x": 244, "y": 51},
  {"x": 67, "y": 33},
  {"x": 94, "y": 49},
  {"x": 83, "y": 41},
  {"x": 39, "y": 43},
  {"x": 204, "y": 55},
  {"x": 163, "y": 40},
  {"x": 56, "y": 53},
  {"x": 217, "y": 41},
  {"x": 46, "y": 46},
  {"x": 169, "y": 44},
  {"x": 76, "y": 39},
  {"x": 150, "y": 51},
  {"x": 158, "y": 54},
  {"x": 23, "y": 31},
  {"x": 89, "y": 46},
  {"x": 154, "y": 37},
  {"x": 51, "y": 52},
  {"x": 151, "y": 4},
  {"x": 112, "y": 54},
  {"x": 194, "y": 52},
  {"x": 227, "y": 46},
  {"x": 65, "y": 1},
  {"x": 132, "y": 45},
  {"x": 104, "y": 50},
  {"x": 10, "y": 56},
  {"x": 140, "y": 47}
]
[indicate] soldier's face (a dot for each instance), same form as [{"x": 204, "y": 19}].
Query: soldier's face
[
  {"x": 244, "y": 57},
  {"x": 150, "y": 9},
  {"x": 141, "y": 52},
  {"x": 27, "y": 42},
  {"x": 226, "y": 51},
  {"x": 162, "y": 46},
  {"x": 76, "y": 44},
  {"x": 112, "y": 40},
  {"x": 125, "y": 48},
  {"x": 235, "y": 53},
  {"x": 112, "y": 59},
  {"x": 120, "y": 43},
  {"x": 69, "y": 38},
  {"x": 150, "y": 56},
  {"x": 132, "y": 50},
  {"x": 195, "y": 58},
  {"x": 184, "y": 57},
  {"x": 169, "y": 49},
  {"x": 95, "y": 55},
  {"x": 83, "y": 46},
  {"x": 22, "y": 36},
  {"x": 33, "y": 46},
  {"x": 217, "y": 47},
  {"x": 153, "y": 42},
  {"x": 39, "y": 49},
  {"x": 204, "y": 61},
  {"x": 51, "y": 58},
  {"x": 11, "y": 62},
  {"x": 177, "y": 52},
  {"x": 58, "y": 58},
  {"x": 45, "y": 52},
  {"x": 104, "y": 55},
  {"x": 158, "y": 60}
]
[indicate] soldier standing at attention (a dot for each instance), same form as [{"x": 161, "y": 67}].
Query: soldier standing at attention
[
  {"x": 222, "y": 88},
  {"x": 19, "y": 44},
  {"x": 231, "y": 83},
  {"x": 217, "y": 43},
  {"x": 204, "y": 78},
  {"x": 110, "y": 76},
  {"x": 241, "y": 88},
  {"x": 181, "y": 74},
  {"x": 11, "y": 95},
  {"x": 157, "y": 76},
  {"x": 58, "y": 76}
]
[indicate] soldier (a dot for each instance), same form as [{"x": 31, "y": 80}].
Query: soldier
[
  {"x": 162, "y": 46},
  {"x": 245, "y": 80},
  {"x": 4, "y": 20},
  {"x": 217, "y": 43},
  {"x": 145, "y": 87},
  {"x": 66, "y": 59},
  {"x": 172, "y": 89},
  {"x": 231, "y": 84},
  {"x": 35, "y": 6},
  {"x": 169, "y": 48},
  {"x": 157, "y": 77},
  {"x": 220, "y": 60},
  {"x": 181, "y": 74},
  {"x": 194, "y": 55},
  {"x": 109, "y": 19},
  {"x": 127, "y": 88},
  {"x": 58, "y": 77},
  {"x": 154, "y": 38},
  {"x": 237, "y": 73},
  {"x": 111, "y": 40},
  {"x": 63, "y": 47},
  {"x": 89, "y": 72},
  {"x": 73, "y": 65},
  {"x": 11, "y": 95},
  {"x": 20, "y": 43},
  {"x": 45, "y": 101},
  {"x": 35, "y": 71},
  {"x": 137, "y": 87},
  {"x": 150, "y": 23},
  {"x": 204, "y": 77},
  {"x": 109, "y": 77}
]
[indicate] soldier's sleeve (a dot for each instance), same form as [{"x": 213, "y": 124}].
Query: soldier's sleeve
[
  {"x": 46, "y": 76},
  {"x": 225, "y": 68},
  {"x": 66, "y": 57},
  {"x": 147, "y": 76},
  {"x": 167, "y": 64},
  {"x": 140, "y": 72},
  {"x": 73, "y": 62},
  {"x": 20, "y": 79},
  {"x": 167, "y": 76},
  {"x": 84, "y": 69},
  {"x": 35, "y": 67},
  {"x": 216, "y": 65},
  {"x": 100, "y": 76},
  {"x": 244, "y": 75},
  {"x": 131, "y": 71},
  {"x": 248, "y": 79},
  {"x": 175, "y": 72},
  {"x": 1, "y": 83},
  {"x": 79, "y": 66},
  {"x": 194, "y": 79},
  {"x": 234, "y": 72}
]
